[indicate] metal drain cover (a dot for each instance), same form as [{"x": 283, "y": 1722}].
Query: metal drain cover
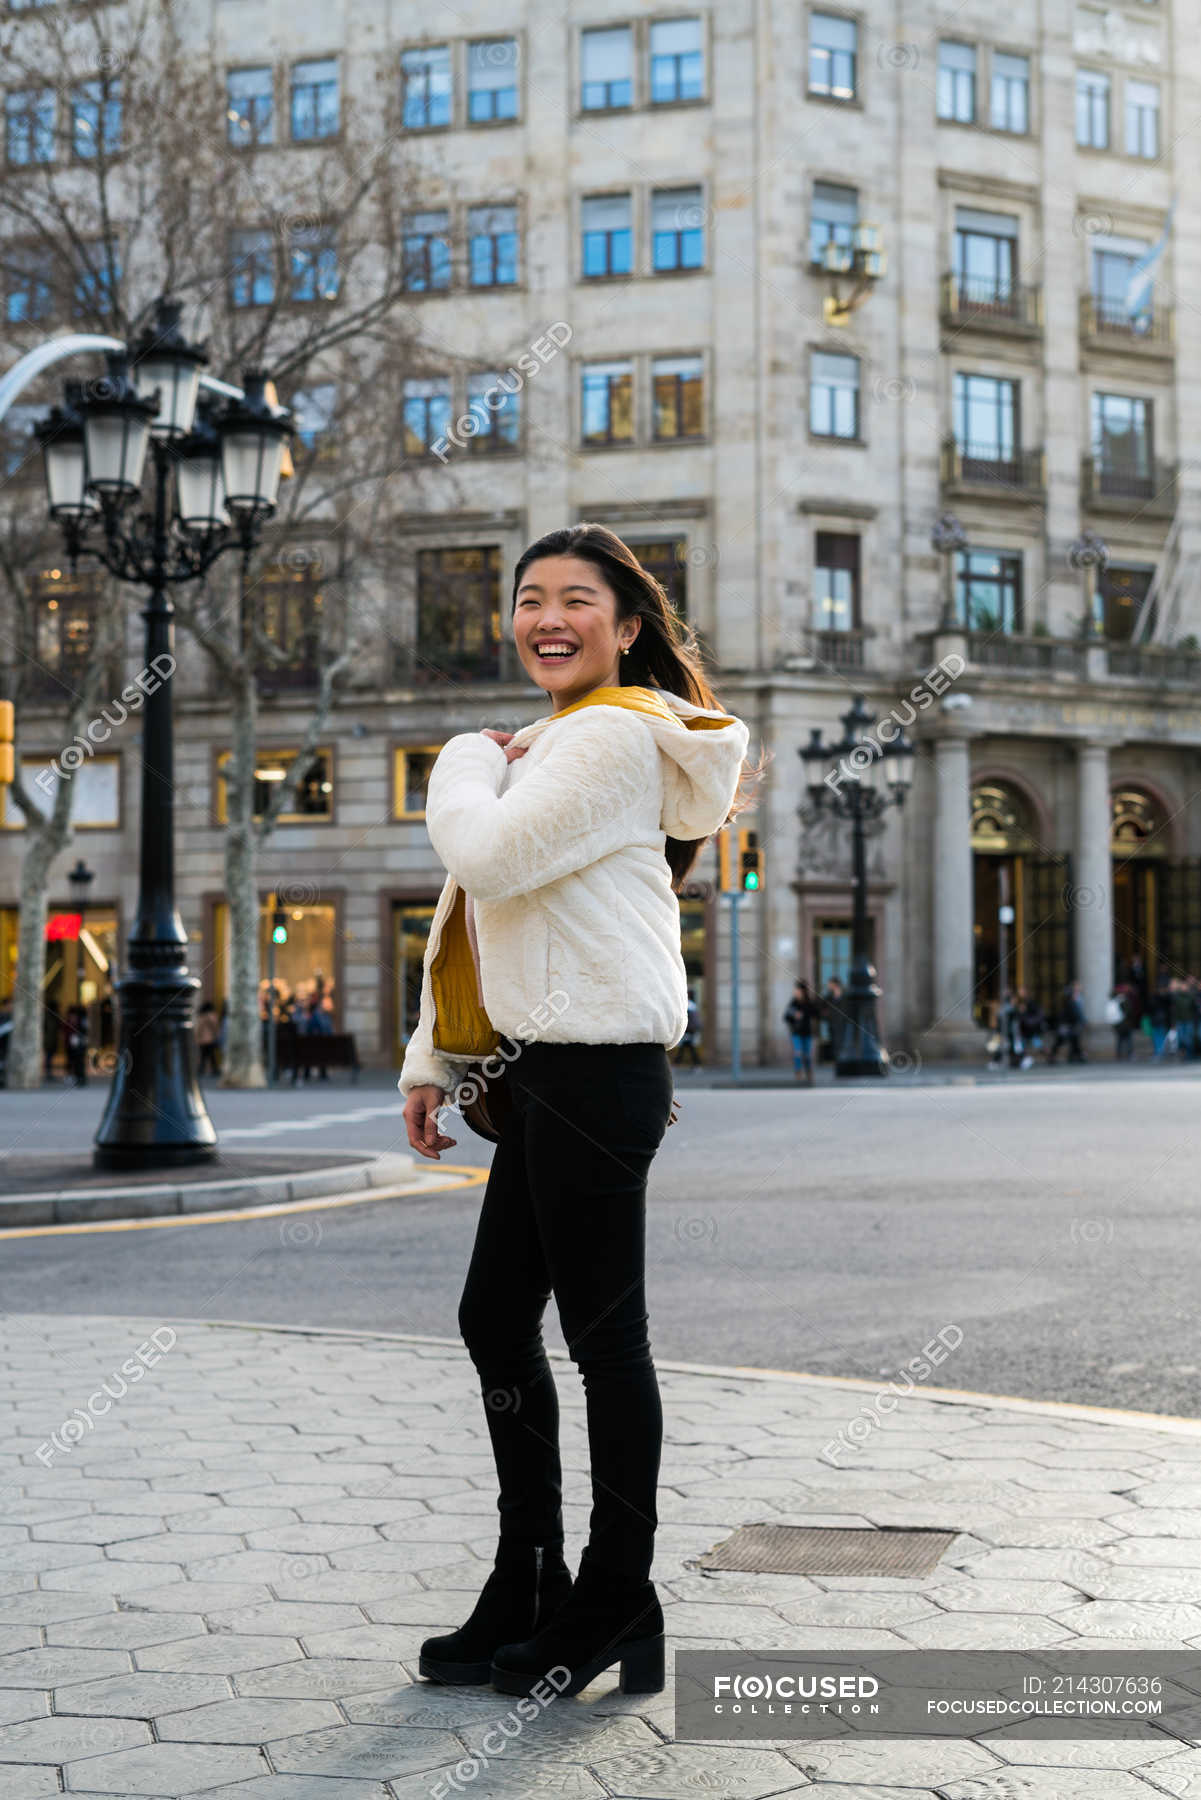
[{"x": 828, "y": 1550}]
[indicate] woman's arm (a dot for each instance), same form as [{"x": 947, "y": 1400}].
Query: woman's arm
[{"x": 570, "y": 810}]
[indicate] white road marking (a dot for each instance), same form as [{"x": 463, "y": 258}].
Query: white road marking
[{"x": 312, "y": 1122}]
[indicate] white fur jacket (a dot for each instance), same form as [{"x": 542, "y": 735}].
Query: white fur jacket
[{"x": 561, "y": 851}]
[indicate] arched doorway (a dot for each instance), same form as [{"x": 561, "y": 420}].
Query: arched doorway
[
  {"x": 1021, "y": 924},
  {"x": 1138, "y": 841}
]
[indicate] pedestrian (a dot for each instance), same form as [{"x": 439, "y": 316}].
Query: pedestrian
[
  {"x": 691, "y": 1032},
  {"x": 1160, "y": 1010},
  {"x": 566, "y": 845},
  {"x": 1033, "y": 1023},
  {"x": 208, "y": 1031},
  {"x": 801, "y": 1016},
  {"x": 1182, "y": 1017},
  {"x": 1010, "y": 1026},
  {"x": 833, "y": 1016},
  {"x": 1070, "y": 1024},
  {"x": 49, "y": 1040},
  {"x": 76, "y": 1042},
  {"x": 1119, "y": 1012}
]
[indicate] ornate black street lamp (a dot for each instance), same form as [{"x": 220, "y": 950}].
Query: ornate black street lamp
[
  {"x": 858, "y": 779},
  {"x": 215, "y": 482}
]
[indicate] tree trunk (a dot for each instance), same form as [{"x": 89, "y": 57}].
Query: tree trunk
[
  {"x": 243, "y": 1061},
  {"x": 25, "y": 1044}
]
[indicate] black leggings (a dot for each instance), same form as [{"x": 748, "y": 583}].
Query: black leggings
[{"x": 565, "y": 1212}]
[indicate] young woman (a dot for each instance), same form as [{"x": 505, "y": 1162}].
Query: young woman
[{"x": 558, "y": 930}]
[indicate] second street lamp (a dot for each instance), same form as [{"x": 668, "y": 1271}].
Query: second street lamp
[
  {"x": 858, "y": 779},
  {"x": 155, "y": 1116}
]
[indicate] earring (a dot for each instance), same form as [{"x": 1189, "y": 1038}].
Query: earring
[{"x": 625, "y": 649}]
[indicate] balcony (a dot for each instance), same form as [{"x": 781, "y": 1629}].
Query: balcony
[
  {"x": 978, "y": 469},
  {"x": 829, "y": 650},
  {"x": 1132, "y": 492},
  {"x": 1044, "y": 655},
  {"x": 1156, "y": 662},
  {"x": 969, "y": 303},
  {"x": 1106, "y": 325}
]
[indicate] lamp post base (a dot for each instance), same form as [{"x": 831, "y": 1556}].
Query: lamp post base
[
  {"x": 858, "y": 1042},
  {"x": 155, "y": 1117}
]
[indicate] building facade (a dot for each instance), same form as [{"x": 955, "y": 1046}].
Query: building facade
[{"x": 773, "y": 290}]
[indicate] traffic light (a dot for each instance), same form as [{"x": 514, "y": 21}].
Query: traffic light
[
  {"x": 279, "y": 926},
  {"x": 750, "y": 863},
  {"x": 724, "y": 852},
  {"x": 7, "y": 726}
]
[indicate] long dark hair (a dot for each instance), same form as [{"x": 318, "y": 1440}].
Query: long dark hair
[{"x": 665, "y": 654}]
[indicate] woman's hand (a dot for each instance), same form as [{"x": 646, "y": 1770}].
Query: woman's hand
[
  {"x": 421, "y": 1121},
  {"x": 502, "y": 738}
]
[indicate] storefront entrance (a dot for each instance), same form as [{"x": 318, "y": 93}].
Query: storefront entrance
[
  {"x": 411, "y": 920},
  {"x": 81, "y": 966},
  {"x": 309, "y": 957},
  {"x": 1022, "y": 923}
]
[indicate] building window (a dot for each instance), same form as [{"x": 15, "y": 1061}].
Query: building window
[
  {"x": 425, "y": 75},
  {"x": 426, "y": 249},
  {"x": 95, "y": 295},
  {"x": 492, "y": 81},
  {"x": 833, "y": 45},
  {"x": 411, "y": 771},
  {"x": 96, "y": 118},
  {"x": 250, "y": 106},
  {"x": 1010, "y": 92},
  {"x": 606, "y": 238},
  {"x": 957, "y": 82},
  {"x": 677, "y": 61},
  {"x": 836, "y": 581},
  {"x": 66, "y": 607},
  {"x": 311, "y": 801},
  {"x": 30, "y": 117},
  {"x": 1142, "y": 118},
  {"x": 458, "y": 612},
  {"x": 833, "y": 395},
  {"x": 1112, "y": 273},
  {"x": 426, "y": 412},
  {"x": 28, "y": 286},
  {"x": 95, "y": 793},
  {"x": 607, "y": 395},
  {"x": 984, "y": 258},
  {"x": 667, "y": 560},
  {"x": 1092, "y": 109},
  {"x": 986, "y": 422},
  {"x": 499, "y": 411},
  {"x": 492, "y": 245},
  {"x": 832, "y": 220},
  {"x": 289, "y": 600},
  {"x": 314, "y": 100},
  {"x": 606, "y": 69},
  {"x": 678, "y": 391},
  {"x": 252, "y": 277},
  {"x": 314, "y": 258},
  {"x": 1123, "y": 591},
  {"x": 988, "y": 590},
  {"x": 313, "y": 413},
  {"x": 677, "y": 229},
  {"x": 1122, "y": 446}
]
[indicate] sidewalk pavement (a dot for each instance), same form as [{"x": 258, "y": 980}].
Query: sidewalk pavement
[{"x": 219, "y": 1586}]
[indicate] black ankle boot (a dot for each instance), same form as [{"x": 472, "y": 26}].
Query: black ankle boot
[
  {"x": 527, "y": 1585},
  {"x": 603, "y": 1619}
]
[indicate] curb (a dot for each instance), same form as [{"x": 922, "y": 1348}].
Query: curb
[
  {"x": 72, "y": 1207},
  {"x": 1051, "y": 1409}
]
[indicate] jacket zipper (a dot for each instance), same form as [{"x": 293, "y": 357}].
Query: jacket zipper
[{"x": 537, "y": 1579}]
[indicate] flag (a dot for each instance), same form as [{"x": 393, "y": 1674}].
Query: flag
[{"x": 1142, "y": 274}]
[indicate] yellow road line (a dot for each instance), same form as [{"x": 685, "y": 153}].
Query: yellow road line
[{"x": 474, "y": 1178}]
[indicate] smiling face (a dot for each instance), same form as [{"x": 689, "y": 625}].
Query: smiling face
[{"x": 566, "y": 628}]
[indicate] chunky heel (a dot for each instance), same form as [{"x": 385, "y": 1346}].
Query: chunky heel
[{"x": 642, "y": 1666}]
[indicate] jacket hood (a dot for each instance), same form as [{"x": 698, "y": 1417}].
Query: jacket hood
[{"x": 701, "y": 750}]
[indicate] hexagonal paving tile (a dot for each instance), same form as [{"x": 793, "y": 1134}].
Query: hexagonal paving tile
[
  {"x": 301, "y": 1787},
  {"x": 561, "y": 1781},
  {"x": 141, "y": 1695},
  {"x": 47, "y": 1668},
  {"x": 909, "y": 1762},
  {"x": 60, "y": 1739},
  {"x": 124, "y": 1630},
  {"x": 219, "y": 1653},
  {"x": 376, "y": 1750},
  {"x": 679, "y": 1771},
  {"x": 20, "y": 1782},
  {"x": 320, "y": 1677},
  {"x": 158, "y": 1769},
  {"x": 246, "y": 1721},
  {"x": 1018, "y": 1783},
  {"x": 1144, "y": 1623}
]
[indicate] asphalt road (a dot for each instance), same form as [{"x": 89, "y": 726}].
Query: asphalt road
[{"x": 1053, "y": 1222}]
